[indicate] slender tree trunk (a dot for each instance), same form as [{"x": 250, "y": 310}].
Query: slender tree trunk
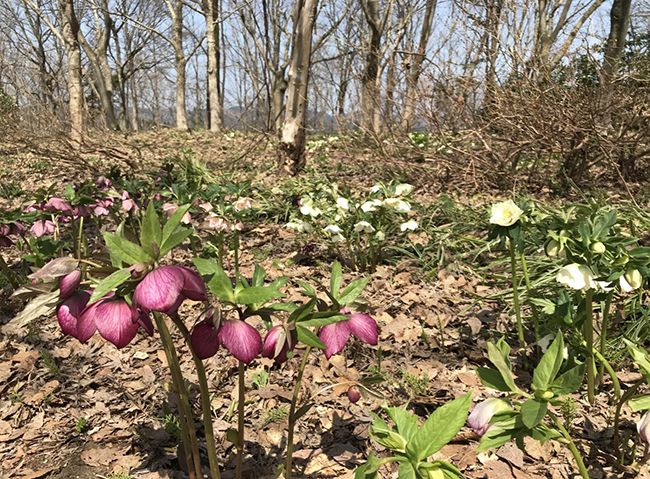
[
  {"x": 215, "y": 113},
  {"x": 619, "y": 24},
  {"x": 181, "y": 64},
  {"x": 369, "y": 80},
  {"x": 134, "y": 117},
  {"x": 292, "y": 141},
  {"x": 278, "y": 91},
  {"x": 415, "y": 66},
  {"x": 70, "y": 33}
]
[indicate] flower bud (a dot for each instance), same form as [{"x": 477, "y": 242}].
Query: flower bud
[
  {"x": 598, "y": 247},
  {"x": 204, "y": 339},
  {"x": 553, "y": 249},
  {"x": 353, "y": 394},
  {"x": 481, "y": 415},
  {"x": 277, "y": 344},
  {"x": 631, "y": 280}
]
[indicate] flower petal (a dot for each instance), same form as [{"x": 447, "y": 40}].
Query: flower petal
[
  {"x": 204, "y": 339},
  {"x": 335, "y": 336},
  {"x": 241, "y": 339},
  {"x": 160, "y": 289},
  {"x": 363, "y": 327},
  {"x": 114, "y": 320},
  {"x": 194, "y": 286},
  {"x": 69, "y": 283},
  {"x": 70, "y": 310}
]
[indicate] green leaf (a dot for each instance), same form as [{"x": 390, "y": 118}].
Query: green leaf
[
  {"x": 318, "y": 321},
  {"x": 176, "y": 238},
  {"x": 303, "y": 311},
  {"x": 307, "y": 288},
  {"x": 569, "y": 381},
  {"x": 492, "y": 378},
  {"x": 499, "y": 357},
  {"x": 125, "y": 250},
  {"x": 406, "y": 423},
  {"x": 369, "y": 469},
  {"x": 543, "y": 433},
  {"x": 257, "y": 295},
  {"x": 639, "y": 403},
  {"x": 406, "y": 471},
  {"x": 352, "y": 291},
  {"x": 440, "y": 428},
  {"x": 549, "y": 365},
  {"x": 640, "y": 357},
  {"x": 305, "y": 336},
  {"x": 151, "y": 233},
  {"x": 206, "y": 267},
  {"x": 173, "y": 222},
  {"x": 109, "y": 284},
  {"x": 532, "y": 412},
  {"x": 386, "y": 436},
  {"x": 336, "y": 279},
  {"x": 497, "y": 436},
  {"x": 258, "y": 276},
  {"x": 221, "y": 286}
]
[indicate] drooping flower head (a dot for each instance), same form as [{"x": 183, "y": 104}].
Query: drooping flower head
[
  {"x": 237, "y": 336},
  {"x": 505, "y": 213},
  {"x": 278, "y": 343},
  {"x": 166, "y": 287},
  {"x": 480, "y": 417},
  {"x": 631, "y": 280},
  {"x": 576, "y": 276},
  {"x": 42, "y": 228},
  {"x": 360, "y": 325},
  {"x": 69, "y": 283}
]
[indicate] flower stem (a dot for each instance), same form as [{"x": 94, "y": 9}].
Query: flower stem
[
  {"x": 205, "y": 402},
  {"x": 572, "y": 446},
  {"x": 608, "y": 367},
  {"x": 603, "y": 333},
  {"x": 629, "y": 393},
  {"x": 515, "y": 294},
  {"x": 292, "y": 414},
  {"x": 185, "y": 413},
  {"x": 589, "y": 338},
  {"x": 240, "y": 421},
  {"x": 9, "y": 274},
  {"x": 529, "y": 288}
]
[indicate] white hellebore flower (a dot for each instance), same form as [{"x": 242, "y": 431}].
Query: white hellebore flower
[
  {"x": 364, "y": 227},
  {"x": 410, "y": 225},
  {"x": 506, "y": 213},
  {"x": 343, "y": 203},
  {"x": 307, "y": 208},
  {"x": 332, "y": 229},
  {"x": 576, "y": 276},
  {"x": 376, "y": 188},
  {"x": 370, "y": 206},
  {"x": 380, "y": 236},
  {"x": 299, "y": 226},
  {"x": 403, "y": 189},
  {"x": 397, "y": 204},
  {"x": 630, "y": 281}
]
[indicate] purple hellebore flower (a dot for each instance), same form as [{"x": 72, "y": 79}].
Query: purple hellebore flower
[
  {"x": 166, "y": 287},
  {"x": 57, "y": 205},
  {"x": 103, "y": 182},
  {"x": 643, "y": 428},
  {"x": 360, "y": 325},
  {"x": 278, "y": 343},
  {"x": 127, "y": 203},
  {"x": 116, "y": 321},
  {"x": 170, "y": 208},
  {"x": 41, "y": 228},
  {"x": 353, "y": 394},
  {"x": 240, "y": 338},
  {"x": 69, "y": 283},
  {"x": 69, "y": 314},
  {"x": 481, "y": 415}
]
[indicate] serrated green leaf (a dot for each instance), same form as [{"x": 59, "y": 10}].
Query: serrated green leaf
[
  {"x": 151, "y": 232},
  {"x": 497, "y": 436},
  {"x": 533, "y": 411},
  {"x": 640, "y": 357},
  {"x": 639, "y": 403},
  {"x": 221, "y": 286},
  {"x": 352, "y": 291},
  {"x": 305, "y": 336},
  {"x": 206, "y": 267},
  {"x": 173, "y": 222},
  {"x": 569, "y": 382},
  {"x": 499, "y": 357},
  {"x": 109, "y": 283},
  {"x": 492, "y": 378},
  {"x": 125, "y": 250},
  {"x": 440, "y": 428},
  {"x": 257, "y": 295},
  {"x": 177, "y": 237},
  {"x": 406, "y": 422},
  {"x": 406, "y": 471},
  {"x": 336, "y": 279},
  {"x": 549, "y": 365},
  {"x": 258, "y": 276}
]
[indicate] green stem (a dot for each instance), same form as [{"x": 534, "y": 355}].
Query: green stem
[
  {"x": 8, "y": 273},
  {"x": 236, "y": 251},
  {"x": 240, "y": 421},
  {"x": 572, "y": 446},
  {"x": 603, "y": 333},
  {"x": 588, "y": 332},
  {"x": 617, "y": 415},
  {"x": 205, "y": 402},
  {"x": 185, "y": 412},
  {"x": 80, "y": 236},
  {"x": 610, "y": 370},
  {"x": 529, "y": 288},
  {"x": 515, "y": 294},
  {"x": 292, "y": 414}
]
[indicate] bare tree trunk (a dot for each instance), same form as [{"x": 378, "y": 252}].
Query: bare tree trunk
[
  {"x": 278, "y": 91},
  {"x": 133, "y": 104},
  {"x": 619, "y": 24},
  {"x": 415, "y": 65},
  {"x": 215, "y": 113},
  {"x": 291, "y": 153},
  {"x": 369, "y": 81},
  {"x": 70, "y": 32},
  {"x": 181, "y": 63}
]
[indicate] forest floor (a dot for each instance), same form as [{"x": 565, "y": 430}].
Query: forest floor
[{"x": 71, "y": 410}]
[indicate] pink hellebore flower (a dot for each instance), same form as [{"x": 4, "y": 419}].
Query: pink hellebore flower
[
  {"x": 170, "y": 208},
  {"x": 216, "y": 223},
  {"x": 166, "y": 287},
  {"x": 127, "y": 203},
  {"x": 58, "y": 205},
  {"x": 69, "y": 314},
  {"x": 41, "y": 228},
  {"x": 103, "y": 182},
  {"x": 240, "y": 338},
  {"x": 481, "y": 415},
  {"x": 69, "y": 284},
  {"x": 278, "y": 343},
  {"x": 101, "y": 206},
  {"x": 360, "y": 325},
  {"x": 643, "y": 428}
]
